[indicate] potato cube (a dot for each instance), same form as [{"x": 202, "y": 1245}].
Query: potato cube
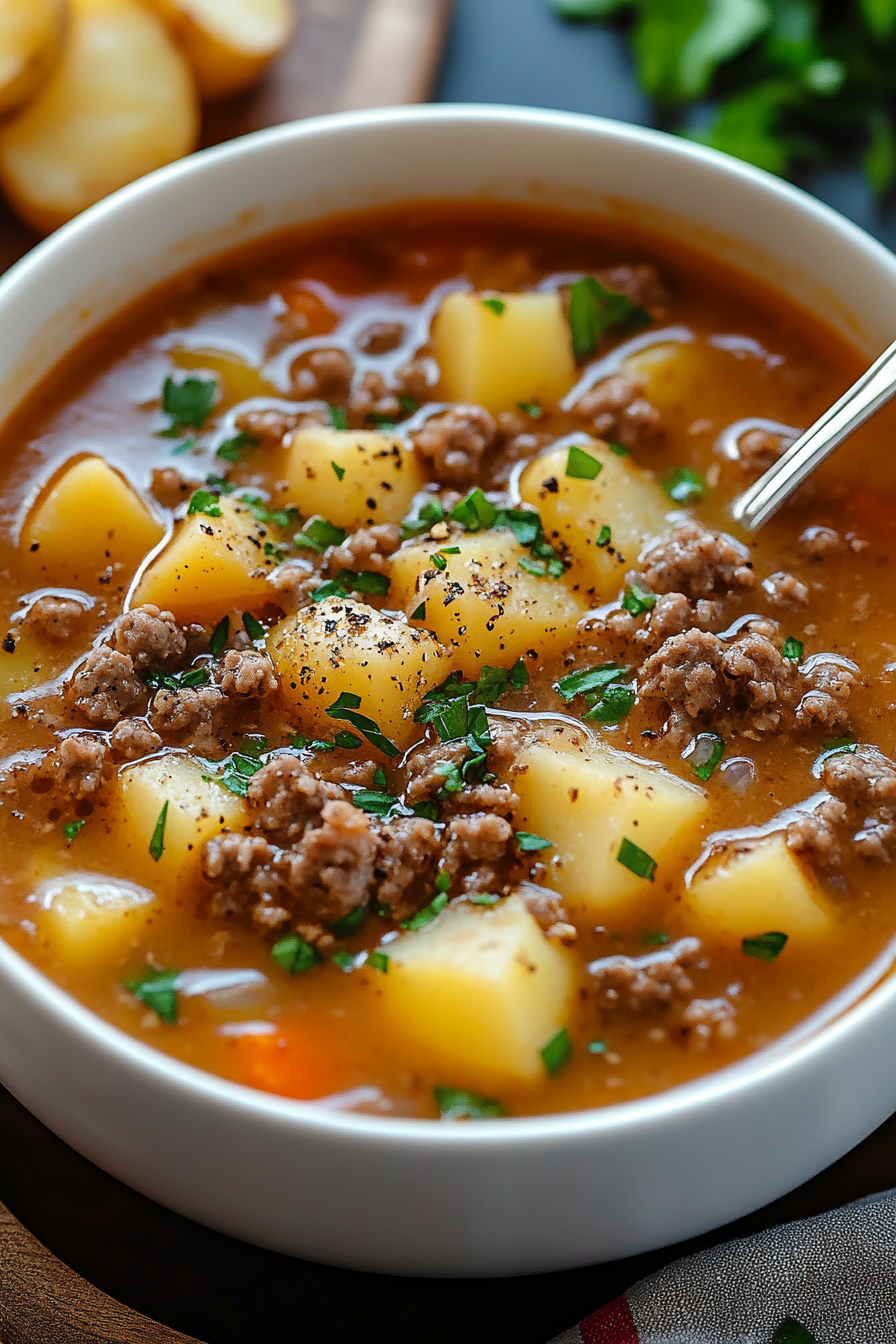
[
  {"x": 355, "y": 478},
  {"x": 483, "y": 605},
  {"x": 342, "y": 646},
  {"x": 586, "y": 799},
  {"x": 89, "y": 917},
  {"x": 239, "y": 380},
  {"x": 623, "y": 497},
  {"x": 758, "y": 887},
  {"x": 198, "y": 808},
  {"x": 498, "y": 358},
  {"x": 669, "y": 372},
  {"x": 211, "y": 566},
  {"x": 90, "y": 518},
  {"x": 480, "y": 991}
]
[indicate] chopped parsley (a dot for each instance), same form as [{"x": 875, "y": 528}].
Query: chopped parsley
[
  {"x": 791, "y": 1332},
  {"x": 363, "y": 581},
  {"x": 158, "y": 990},
  {"x": 792, "y": 649},
  {"x": 346, "y": 708},
  {"x": 637, "y": 600},
  {"x": 344, "y": 960},
  {"x": 836, "y": 745},
  {"x": 581, "y": 466},
  {"x": 240, "y": 766},
  {"x": 220, "y": 635},
  {"x": 428, "y": 515},
  {"x": 379, "y": 961},
  {"x": 203, "y": 501},
  {"x": 607, "y": 699},
  {"x": 338, "y": 471},
  {"x": 495, "y": 305},
  {"x": 175, "y": 681},
  {"x": 71, "y": 829},
  {"x": 426, "y": 809},
  {"x": 484, "y": 898},
  {"x": 189, "y": 403},
  {"x": 350, "y": 923},
  {"x": 589, "y": 679},
  {"x": 619, "y": 449},
  {"x": 636, "y": 860},
  {"x": 233, "y": 450},
  {"x": 254, "y": 628},
  {"x": 604, "y": 536},
  {"x": 557, "y": 1053},
  {"x": 428, "y": 913},
  {"x": 530, "y": 408},
  {"x": 293, "y": 954},
  {"x": 596, "y": 1047},
  {"x": 438, "y": 557},
  {"x": 319, "y": 535},
  {"x": 593, "y": 310},
  {"x": 419, "y": 613},
  {"x": 525, "y": 524},
  {"x": 708, "y": 750},
  {"x": 655, "y": 938},
  {"x": 764, "y": 946},
  {"x": 375, "y": 803},
  {"x": 531, "y": 844},
  {"x": 338, "y": 417},
  {"x": 474, "y": 512},
  {"x": 157, "y": 842},
  {"x": 554, "y": 568},
  {"x": 329, "y": 589},
  {"x": 456, "y": 1105},
  {"x": 685, "y": 485},
  {"x": 186, "y": 447},
  {"x": 455, "y": 708},
  {"x": 611, "y": 706}
]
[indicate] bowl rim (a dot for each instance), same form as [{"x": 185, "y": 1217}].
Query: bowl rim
[{"x": 869, "y": 994}]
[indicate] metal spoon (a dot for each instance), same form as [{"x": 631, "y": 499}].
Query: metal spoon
[{"x": 873, "y": 390}]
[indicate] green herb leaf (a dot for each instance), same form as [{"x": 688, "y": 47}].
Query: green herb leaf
[
  {"x": 379, "y": 961},
  {"x": 835, "y": 745},
  {"x": 679, "y": 44},
  {"x": 430, "y": 513},
  {"x": 637, "y": 600},
  {"x": 557, "y": 1052},
  {"x": 604, "y": 536},
  {"x": 338, "y": 471},
  {"x": 190, "y": 402},
  {"x": 426, "y": 809},
  {"x": 346, "y": 707},
  {"x": 363, "y": 581},
  {"x": 474, "y": 512},
  {"x": 655, "y": 938},
  {"x": 792, "y": 649},
  {"x": 346, "y": 740},
  {"x": 233, "y": 450},
  {"x": 158, "y": 990},
  {"x": 456, "y": 1105},
  {"x": 329, "y": 589},
  {"x": 71, "y": 829},
  {"x": 879, "y": 159},
  {"x": 581, "y": 466},
  {"x": 319, "y": 535},
  {"x": 350, "y": 923},
  {"x": 596, "y": 1047},
  {"x": 220, "y": 635},
  {"x": 636, "y": 860},
  {"x": 203, "y": 501},
  {"x": 764, "y": 946},
  {"x": 525, "y": 524},
  {"x": 530, "y": 408},
  {"x": 518, "y": 676},
  {"x": 419, "y": 613},
  {"x": 708, "y": 751},
  {"x": 293, "y": 954},
  {"x": 377, "y": 804},
  {"x": 484, "y": 898},
  {"x": 588, "y": 679},
  {"x": 619, "y": 449},
  {"x": 685, "y": 485},
  {"x": 443, "y": 882},
  {"x": 593, "y": 310},
  {"x": 338, "y": 417},
  {"x": 495, "y": 305},
  {"x": 531, "y": 844},
  {"x": 428, "y": 913},
  {"x": 791, "y": 1332},
  {"x": 179, "y": 449},
  {"x": 157, "y": 842},
  {"x": 614, "y": 703},
  {"x": 344, "y": 960},
  {"x": 254, "y": 628}
]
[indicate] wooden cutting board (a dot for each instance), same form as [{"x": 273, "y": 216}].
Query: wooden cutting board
[{"x": 346, "y": 55}]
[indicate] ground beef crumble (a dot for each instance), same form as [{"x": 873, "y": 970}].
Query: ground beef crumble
[
  {"x": 75, "y": 768},
  {"x": 246, "y": 672},
  {"x": 187, "y": 717},
  {"x": 699, "y": 563},
  {"x": 149, "y": 637},
  {"x": 616, "y": 409},
  {"x": 639, "y": 984},
  {"x": 133, "y": 738},
  {"x": 452, "y": 445},
  {"x": 55, "y": 618},
  {"x": 106, "y": 686},
  {"x": 697, "y": 673},
  {"x": 858, "y": 816}
]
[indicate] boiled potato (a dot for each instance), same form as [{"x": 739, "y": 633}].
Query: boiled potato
[
  {"x": 31, "y": 37},
  {"x": 758, "y": 887},
  {"x": 89, "y": 917},
  {"x": 355, "y": 478},
  {"x": 668, "y": 372},
  {"x": 482, "y": 990},
  {"x": 341, "y": 646},
  {"x": 228, "y": 42},
  {"x": 121, "y": 102},
  {"x": 122, "y": 528},
  {"x": 239, "y": 380},
  {"x": 483, "y": 606},
  {"x": 586, "y": 799},
  {"x": 623, "y": 497},
  {"x": 212, "y": 565},
  {"x": 498, "y": 356},
  {"x": 198, "y": 808}
]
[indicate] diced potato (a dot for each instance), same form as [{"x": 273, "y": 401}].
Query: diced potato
[
  {"x": 198, "y": 808},
  {"x": 90, "y": 518},
  {"x": 228, "y": 42},
  {"x": 668, "y": 372},
  {"x": 355, "y": 478},
  {"x": 483, "y": 605},
  {"x": 31, "y": 36},
  {"x": 121, "y": 102},
  {"x": 499, "y": 359},
  {"x": 623, "y": 497},
  {"x": 88, "y": 917},
  {"x": 758, "y": 887},
  {"x": 338, "y": 646},
  {"x": 31, "y": 662},
  {"x": 239, "y": 379},
  {"x": 211, "y": 566},
  {"x": 480, "y": 990},
  {"x": 586, "y": 799}
]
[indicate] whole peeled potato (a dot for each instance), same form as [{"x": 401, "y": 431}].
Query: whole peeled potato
[
  {"x": 121, "y": 102},
  {"x": 228, "y": 42},
  {"x": 31, "y": 36}
]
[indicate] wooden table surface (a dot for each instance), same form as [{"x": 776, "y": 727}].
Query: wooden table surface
[{"x": 346, "y": 53}]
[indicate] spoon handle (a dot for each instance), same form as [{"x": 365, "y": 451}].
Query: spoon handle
[{"x": 873, "y": 390}]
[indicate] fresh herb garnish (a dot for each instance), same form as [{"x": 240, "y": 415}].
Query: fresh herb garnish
[
  {"x": 792, "y": 649},
  {"x": 344, "y": 960},
  {"x": 708, "y": 750},
  {"x": 636, "y": 860},
  {"x": 557, "y": 1052},
  {"x": 531, "y": 844},
  {"x": 589, "y": 679},
  {"x": 328, "y": 589},
  {"x": 685, "y": 485},
  {"x": 379, "y": 961},
  {"x": 525, "y": 524},
  {"x": 176, "y": 681},
  {"x": 494, "y": 305},
  {"x": 637, "y": 600},
  {"x": 374, "y": 802},
  {"x": 186, "y": 447},
  {"x": 346, "y": 708},
  {"x": 518, "y": 676},
  {"x": 764, "y": 946},
  {"x": 604, "y": 536},
  {"x": 593, "y": 310},
  {"x": 426, "y": 809},
  {"x": 530, "y": 408},
  {"x": 350, "y": 923},
  {"x": 484, "y": 898},
  {"x": 581, "y": 466},
  {"x": 319, "y": 535},
  {"x": 71, "y": 829},
  {"x": 619, "y": 449},
  {"x": 189, "y": 403},
  {"x": 655, "y": 938},
  {"x": 158, "y": 990},
  {"x": 338, "y": 417},
  {"x": 220, "y": 635},
  {"x": 835, "y": 745},
  {"x": 233, "y": 450},
  {"x": 253, "y": 627},
  {"x": 791, "y": 1332},
  {"x": 157, "y": 841},
  {"x": 456, "y": 1105},
  {"x": 419, "y": 613},
  {"x": 474, "y": 512},
  {"x": 203, "y": 501},
  {"x": 612, "y": 705},
  {"x": 363, "y": 581},
  {"x": 429, "y": 514},
  {"x": 338, "y": 471},
  {"x": 293, "y": 954},
  {"x": 428, "y": 913}
]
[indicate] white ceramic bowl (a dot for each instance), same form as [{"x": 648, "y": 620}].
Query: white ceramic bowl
[{"x": 416, "y": 1197}]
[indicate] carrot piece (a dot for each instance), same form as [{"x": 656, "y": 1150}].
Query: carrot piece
[{"x": 298, "y": 1062}]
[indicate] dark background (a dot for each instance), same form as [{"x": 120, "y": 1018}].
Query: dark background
[{"x": 222, "y": 1292}]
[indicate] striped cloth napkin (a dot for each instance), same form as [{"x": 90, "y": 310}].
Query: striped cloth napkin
[{"x": 827, "y": 1280}]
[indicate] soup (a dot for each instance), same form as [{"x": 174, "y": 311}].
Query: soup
[{"x": 392, "y": 712}]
